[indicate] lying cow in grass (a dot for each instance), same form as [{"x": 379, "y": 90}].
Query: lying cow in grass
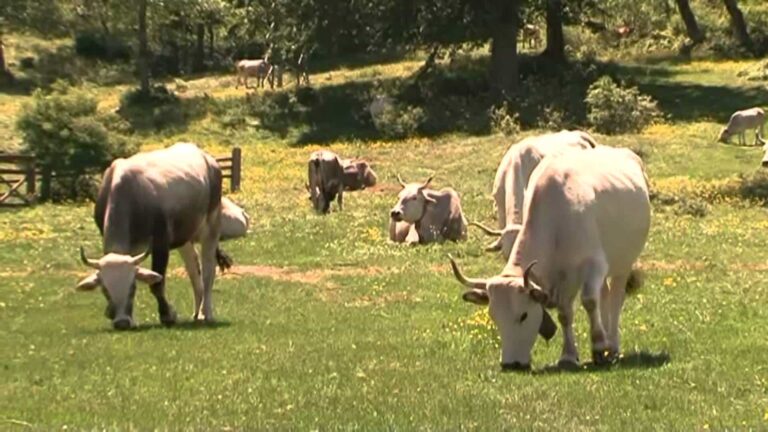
[
  {"x": 743, "y": 121},
  {"x": 435, "y": 215},
  {"x": 587, "y": 216},
  {"x": 513, "y": 174},
  {"x": 358, "y": 174},
  {"x": 154, "y": 202}
]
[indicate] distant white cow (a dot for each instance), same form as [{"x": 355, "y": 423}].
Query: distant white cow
[
  {"x": 587, "y": 217},
  {"x": 765, "y": 156},
  {"x": 261, "y": 69},
  {"x": 530, "y": 35},
  {"x": 436, "y": 215},
  {"x": 514, "y": 172},
  {"x": 742, "y": 121}
]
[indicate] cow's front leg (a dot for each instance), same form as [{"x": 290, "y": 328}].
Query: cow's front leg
[
  {"x": 569, "y": 358},
  {"x": 590, "y": 299},
  {"x": 192, "y": 266},
  {"x": 340, "y": 198},
  {"x": 160, "y": 254}
]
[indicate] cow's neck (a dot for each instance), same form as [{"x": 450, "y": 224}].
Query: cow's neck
[{"x": 117, "y": 229}]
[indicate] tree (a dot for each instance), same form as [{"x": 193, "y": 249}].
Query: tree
[
  {"x": 504, "y": 64},
  {"x": 142, "y": 60},
  {"x": 739, "y": 25},
  {"x": 555, "y": 41},
  {"x": 691, "y": 26}
]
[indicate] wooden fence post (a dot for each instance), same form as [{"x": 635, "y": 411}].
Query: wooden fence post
[
  {"x": 30, "y": 176},
  {"x": 237, "y": 155}
]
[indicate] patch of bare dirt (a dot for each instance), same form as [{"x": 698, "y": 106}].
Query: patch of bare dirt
[
  {"x": 385, "y": 188},
  {"x": 290, "y": 274},
  {"x": 671, "y": 265}
]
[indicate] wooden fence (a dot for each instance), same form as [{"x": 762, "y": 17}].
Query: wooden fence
[{"x": 21, "y": 170}]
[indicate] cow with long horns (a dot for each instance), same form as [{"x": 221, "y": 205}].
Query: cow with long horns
[
  {"x": 154, "y": 202},
  {"x": 436, "y": 215},
  {"x": 585, "y": 221}
]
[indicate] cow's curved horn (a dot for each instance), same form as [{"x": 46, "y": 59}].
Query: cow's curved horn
[
  {"x": 400, "y": 180},
  {"x": 485, "y": 229},
  {"x": 527, "y": 274},
  {"x": 87, "y": 261},
  {"x": 426, "y": 183},
  {"x": 139, "y": 258},
  {"x": 480, "y": 284}
]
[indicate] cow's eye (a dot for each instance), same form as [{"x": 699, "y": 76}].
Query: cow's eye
[{"x": 523, "y": 316}]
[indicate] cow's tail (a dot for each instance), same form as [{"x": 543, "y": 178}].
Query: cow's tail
[{"x": 635, "y": 281}]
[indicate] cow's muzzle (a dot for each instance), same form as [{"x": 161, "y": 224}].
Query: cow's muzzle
[
  {"x": 123, "y": 323},
  {"x": 516, "y": 366},
  {"x": 396, "y": 215}
]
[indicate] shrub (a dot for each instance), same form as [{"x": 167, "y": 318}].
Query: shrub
[
  {"x": 613, "y": 109},
  {"x": 70, "y": 140},
  {"x": 503, "y": 120},
  {"x": 98, "y": 46},
  {"x": 160, "y": 108},
  {"x": 395, "y": 120}
]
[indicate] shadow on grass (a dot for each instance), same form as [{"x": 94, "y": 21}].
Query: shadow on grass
[
  {"x": 634, "y": 360},
  {"x": 179, "y": 326}
]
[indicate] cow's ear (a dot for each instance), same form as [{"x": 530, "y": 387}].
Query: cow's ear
[
  {"x": 476, "y": 296},
  {"x": 89, "y": 283},
  {"x": 547, "y": 328},
  {"x": 428, "y": 199},
  {"x": 148, "y": 276}
]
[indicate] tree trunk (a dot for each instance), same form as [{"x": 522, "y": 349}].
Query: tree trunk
[
  {"x": 142, "y": 61},
  {"x": 739, "y": 25},
  {"x": 198, "y": 60},
  {"x": 504, "y": 67},
  {"x": 3, "y": 66},
  {"x": 555, "y": 49},
  {"x": 691, "y": 26},
  {"x": 211, "y": 43}
]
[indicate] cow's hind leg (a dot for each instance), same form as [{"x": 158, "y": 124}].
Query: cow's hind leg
[
  {"x": 192, "y": 266},
  {"x": 160, "y": 254},
  {"x": 340, "y": 198},
  {"x": 612, "y": 303},
  {"x": 590, "y": 299},
  {"x": 208, "y": 258}
]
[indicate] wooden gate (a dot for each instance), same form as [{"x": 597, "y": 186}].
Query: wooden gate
[{"x": 17, "y": 171}]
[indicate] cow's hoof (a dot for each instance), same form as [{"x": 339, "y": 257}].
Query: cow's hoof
[
  {"x": 604, "y": 357},
  {"x": 169, "y": 318},
  {"x": 516, "y": 366},
  {"x": 123, "y": 324},
  {"x": 568, "y": 364}
]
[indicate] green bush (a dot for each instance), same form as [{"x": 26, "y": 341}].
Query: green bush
[
  {"x": 612, "y": 109},
  {"x": 398, "y": 120},
  {"x": 503, "y": 120},
  {"x": 101, "y": 47},
  {"x": 70, "y": 140}
]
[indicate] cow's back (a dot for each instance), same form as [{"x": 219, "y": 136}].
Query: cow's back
[
  {"x": 176, "y": 189},
  {"x": 584, "y": 202},
  {"x": 514, "y": 172}
]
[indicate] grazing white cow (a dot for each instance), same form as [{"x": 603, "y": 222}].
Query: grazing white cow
[
  {"x": 156, "y": 201},
  {"x": 514, "y": 172},
  {"x": 326, "y": 180},
  {"x": 742, "y": 121},
  {"x": 261, "y": 69},
  {"x": 586, "y": 220},
  {"x": 435, "y": 215}
]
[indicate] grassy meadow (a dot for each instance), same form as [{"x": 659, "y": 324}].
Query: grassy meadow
[{"x": 323, "y": 324}]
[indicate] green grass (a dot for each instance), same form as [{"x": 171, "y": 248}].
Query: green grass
[{"x": 328, "y": 326}]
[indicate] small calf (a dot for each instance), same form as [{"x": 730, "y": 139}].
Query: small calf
[
  {"x": 436, "y": 215},
  {"x": 742, "y": 121}
]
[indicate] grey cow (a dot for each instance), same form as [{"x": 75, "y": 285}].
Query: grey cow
[
  {"x": 325, "y": 172},
  {"x": 156, "y": 201},
  {"x": 358, "y": 174},
  {"x": 435, "y": 215}
]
